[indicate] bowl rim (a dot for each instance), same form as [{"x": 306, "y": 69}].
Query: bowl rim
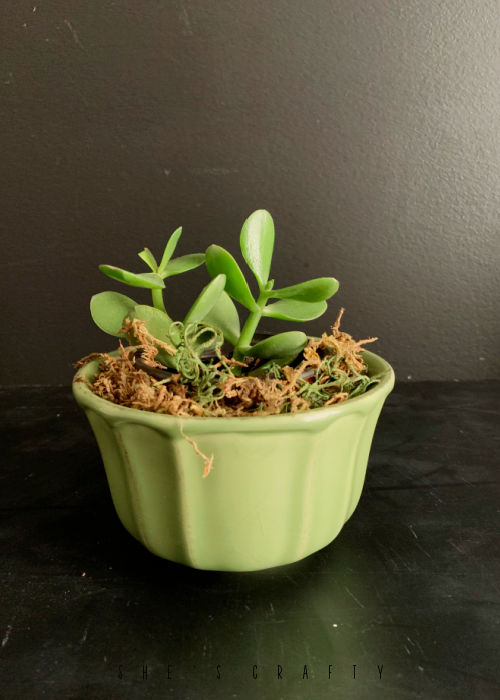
[{"x": 88, "y": 400}]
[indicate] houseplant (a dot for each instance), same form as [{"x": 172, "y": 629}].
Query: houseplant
[{"x": 282, "y": 426}]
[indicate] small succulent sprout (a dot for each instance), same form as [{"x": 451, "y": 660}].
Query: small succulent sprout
[
  {"x": 169, "y": 267},
  {"x": 109, "y": 309},
  {"x": 154, "y": 280},
  {"x": 299, "y": 302}
]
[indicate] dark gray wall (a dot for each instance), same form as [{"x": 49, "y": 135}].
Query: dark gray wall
[{"x": 370, "y": 130}]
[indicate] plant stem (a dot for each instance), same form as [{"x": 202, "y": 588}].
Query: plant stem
[
  {"x": 249, "y": 327},
  {"x": 158, "y": 302}
]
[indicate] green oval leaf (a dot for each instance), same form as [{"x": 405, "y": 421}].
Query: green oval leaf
[
  {"x": 169, "y": 249},
  {"x": 206, "y": 300},
  {"x": 257, "y": 244},
  {"x": 224, "y": 315},
  {"x": 318, "y": 289},
  {"x": 293, "y": 310},
  {"x": 219, "y": 261},
  {"x": 148, "y": 258},
  {"x": 287, "y": 345},
  {"x": 148, "y": 280},
  {"x": 183, "y": 264},
  {"x": 108, "y": 311},
  {"x": 157, "y": 322}
]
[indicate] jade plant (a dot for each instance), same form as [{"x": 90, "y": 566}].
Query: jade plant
[
  {"x": 213, "y": 317},
  {"x": 109, "y": 310},
  {"x": 300, "y": 302}
]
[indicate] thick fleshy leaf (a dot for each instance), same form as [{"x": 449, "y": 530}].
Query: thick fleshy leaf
[
  {"x": 169, "y": 249},
  {"x": 224, "y": 315},
  {"x": 183, "y": 264},
  {"x": 206, "y": 300},
  {"x": 287, "y": 345},
  {"x": 108, "y": 310},
  {"x": 293, "y": 310},
  {"x": 149, "y": 259},
  {"x": 318, "y": 289},
  {"x": 257, "y": 244},
  {"x": 157, "y": 324},
  {"x": 148, "y": 280},
  {"x": 219, "y": 261}
]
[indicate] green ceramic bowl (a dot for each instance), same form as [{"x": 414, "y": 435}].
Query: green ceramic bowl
[{"x": 281, "y": 486}]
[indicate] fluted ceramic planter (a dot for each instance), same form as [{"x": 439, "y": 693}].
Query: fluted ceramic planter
[{"x": 281, "y": 486}]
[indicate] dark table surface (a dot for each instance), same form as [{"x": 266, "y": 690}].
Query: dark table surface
[{"x": 403, "y": 604}]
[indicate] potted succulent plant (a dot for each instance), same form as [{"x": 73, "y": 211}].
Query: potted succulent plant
[{"x": 282, "y": 426}]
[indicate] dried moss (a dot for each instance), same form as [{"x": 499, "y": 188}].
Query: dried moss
[{"x": 331, "y": 369}]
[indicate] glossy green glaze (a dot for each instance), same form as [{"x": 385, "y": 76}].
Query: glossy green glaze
[{"x": 281, "y": 486}]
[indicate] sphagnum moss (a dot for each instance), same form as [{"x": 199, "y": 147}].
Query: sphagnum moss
[{"x": 213, "y": 388}]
